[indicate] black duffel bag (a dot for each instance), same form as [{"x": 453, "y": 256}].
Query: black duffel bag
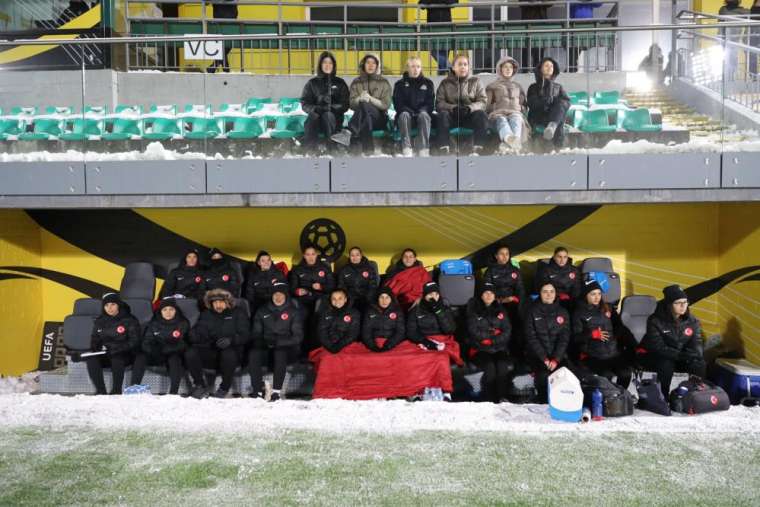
[
  {"x": 650, "y": 396},
  {"x": 697, "y": 396},
  {"x": 617, "y": 402}
]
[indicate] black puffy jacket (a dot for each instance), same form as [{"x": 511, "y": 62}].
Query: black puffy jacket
[
  {"x": 119, "y": 334},
  {"x": 544, "y": 93},
  {"x": 428, "y": 319},
  {"x": 338, "y": 327},
  {"x": 414, "y": 95},
  {"x": 547, "y": 331},
  {"x": 185, "y": 280},
  {"x": 221, "y": 275},
  {"x": 588, "y": 322},
  {"x": 389, "y": 324},
  {"x": 442, "y": 15},
  {"x": 166, "y": 337},
  {"x": 566, "y": 279},
  {"x": 360, "y": 280},
  {"x": 232, "y": 323},
  {"x": 259, "y": 283},
  {"x": 278, "y": 326},
  {"x": 304, "y": 276},
  {"x": 325, "y": 92},
  {"x": 488, "y": 327},
  {"x": 675, "y": 339},
  {"x": 507, "y": 280}
]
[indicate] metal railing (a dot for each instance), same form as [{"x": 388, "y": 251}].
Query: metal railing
[
  {"x": 494, "y": 32},
  {"x": 727, "y": 62}
]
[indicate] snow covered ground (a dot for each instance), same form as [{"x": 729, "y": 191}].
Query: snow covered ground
[{"x": 146, "y": 412}]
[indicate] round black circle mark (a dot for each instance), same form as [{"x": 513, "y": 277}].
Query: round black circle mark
[{"x": 326, "y": 236}]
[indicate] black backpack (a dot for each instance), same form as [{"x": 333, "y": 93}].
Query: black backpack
[
  {"x": 697, "y": 396},
  {"x": 617, "y": 401},
  {"x": 650, "y": 397}
]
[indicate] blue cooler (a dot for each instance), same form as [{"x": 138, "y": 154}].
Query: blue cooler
[
  {"x": 738, "y": 377},
  {"x": 456, "y": 267}
]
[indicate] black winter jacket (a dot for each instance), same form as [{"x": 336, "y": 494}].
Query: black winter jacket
[
  {"x": 588, "y": 322},
  {"x": 221, "y": 275},
  {"x": 232, "y": 323},
  {"x": 278, "y": 326},
  {"x": 506, "y": 279},
  {"x": 678, "y": 340},
  {"x": 544, "y": 93},
  {"x": 427, "y": 319},
  {"x": 547, "y": 331},
  {"x": 389, "y": 324},
  {"x": 566, "y": 279},
  {"x": 413, "y": 95},
  {"x": 185, "y": 280},
  {"x": 325, "y": 92},
  {"x": 259, "y": 283},
  {"x": 303, "y": 276},
  {"x": 488, "y": 327},
  {"x": 360, "y": 280},
  {"x": 338, "y": 327},
  {"x": 119, "y": 334},
  {"x": 166, "y": 337}
]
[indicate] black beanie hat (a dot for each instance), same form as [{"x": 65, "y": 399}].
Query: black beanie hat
[
  {"x": 384, "y": 290},
  {"x": 279, "y": 287},
  {"x": 430, "y": 287},
  {"x": 673, "y": 293},
  {"x": 590, "y": 285},
  {"x": 486, "y": 286},
  {"x": 168, "y": 301},
  {"x": 112, "y": 297},
  {"x": 214, "y": 251}
]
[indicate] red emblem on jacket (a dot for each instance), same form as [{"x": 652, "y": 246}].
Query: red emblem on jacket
[
  {"x": 198, "y": 279},
  {"x": 347, "y": 318},
  {"x": 392, "y": 315},
  {"x": 284, "y": 316},
  {"x": 500, "y": 316},
  {"x": 176, "y": 333},
  {"x": 226, "y": 278},
  {"x": 514, "y": 275},
  {"x": 365, "y": 274},
  {"x": 571, "y": 275},
  {"x": 688, "y": 331},
  {"x": 120, "y": 329},
  {"x": 321, "y": 273},
  {"x": 560, "y": 319}
]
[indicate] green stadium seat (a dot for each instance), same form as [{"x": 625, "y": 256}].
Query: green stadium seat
[
  {"x": 256, "y": 104},
  {"x": 43, "y": 129},
  {"x": 161, "y": 123},
  {"x": 638, "y": 120},
  {"x": 124, "y": 124},
  {"x": 247, "y": 127},
  {"x": 288, "y": 127},
  {"x": 608, "y": 97},
  {"x": 199, "y": 123},
  {"x": 289, "y": 104},
  {"x": 81, "y": 129},
  {"x": 595, "y": 121},
  {"x": 16, "y": 125},
  {"x": 579, "y": 98}
]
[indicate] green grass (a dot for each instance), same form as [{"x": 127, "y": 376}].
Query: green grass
[{"x": 141, "y": 468}]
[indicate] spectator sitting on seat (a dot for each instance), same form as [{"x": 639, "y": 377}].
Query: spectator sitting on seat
[
  {"x": 325, "y": 100},
  {"x": 673, "y": 341},
  {"x": 370, "y": 98},
  {"x": 310, "y": 281},
  {"x": 406, "y": 278},
  {"x": 414, "y": 99},
  {"x": 262, "y": 276},
  {"x": 359, "y": 278},
  {"x": 461, "y": 102},
  {"x": 561, "y": 273},
  {"x": 187, "y": 279},
  {"x": 506, "y": 106},
  {"x": 218, "y": 338},
  {"x": 488, "y": 335},
  {"x": 277, "y": 330},
  {"x": 221, "y": 274},
  {"x": 383, "y": 327},
  {"x": 547, "y": 336},
  {"x": 164, "y": 343},
  {"x": 597, "y": 331},
  {"x": 339, "y": 325},
  {"x": 547, "y": 102},
  {"x": 118, "y": 333}
]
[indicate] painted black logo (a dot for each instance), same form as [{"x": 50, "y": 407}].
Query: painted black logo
[{"x": 326, "y": 236}]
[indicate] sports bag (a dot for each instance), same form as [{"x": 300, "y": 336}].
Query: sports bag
[
  {"x": 617, "y": 402},
  {"x": 697, "y": 396}
]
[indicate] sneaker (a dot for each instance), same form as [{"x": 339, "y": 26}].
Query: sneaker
[
  {"x": 199, "y": 392},
  {"x": 221, "y": 393},
  {"x": 274, "y": 397},
  {"x": 549, "y": 131},
  {"x": 343, "y": 137},
  {"x": 504, "y": 149},
  {"x": 476, "y": 151},
  {"x": 445, "y": 150},
  {"x": 256, "y": 395},
  {"x": 425, "y": 153},
  {"x": 446, "y": 396},
  {"x": 377, "y": 151},
  {"x": 514, "y": 142},
  {"x": 407, "y": 152}
]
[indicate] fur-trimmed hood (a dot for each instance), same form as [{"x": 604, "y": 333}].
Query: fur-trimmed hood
[{"x": 219, "y": 294}]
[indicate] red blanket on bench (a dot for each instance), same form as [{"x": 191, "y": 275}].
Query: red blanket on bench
[
  {"x": 356, "y": 373},
  {"x": 407, "y": 285}
]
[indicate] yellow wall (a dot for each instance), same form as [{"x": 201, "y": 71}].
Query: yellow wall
[
  {"x": 739, "y": 303},
  {"x": 21, "y": 307},
  {"x": 651, "y": 246}
]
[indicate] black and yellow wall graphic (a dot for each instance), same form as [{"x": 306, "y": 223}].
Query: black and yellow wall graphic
[{"x": 50, "y": 258}]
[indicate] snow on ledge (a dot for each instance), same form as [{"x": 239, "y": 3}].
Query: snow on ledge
[{"x": 158, "y": 413}]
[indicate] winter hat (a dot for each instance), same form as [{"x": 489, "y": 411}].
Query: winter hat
[
  {"x": 673, "y": 293},
  {"x": 590, "y": 285},
  {"x": 486, "y": 287},
  {"x": 168, "y": 301},
  {"x": 112, "y": 297},
  {"x": 430, "y": 287},
  {"x": 218, "y": 295},
  {"x": 183, "y": 261},
  {"x": 279, "y": 287},
  {"x": 384, "y": 290},
  {"x": 214, "y": 251}
]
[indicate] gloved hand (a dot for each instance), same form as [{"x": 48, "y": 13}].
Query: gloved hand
[
  {"x": 429, "y": 344},
  {"x": 436, "y": 306},
  {"x": 320, "y": 109},
  {"x": 460, "y": 112},
  {"x": 223, "y": 343}
]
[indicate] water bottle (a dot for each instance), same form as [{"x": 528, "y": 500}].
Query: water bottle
[
  {"x": 597, "y": 411},
  {"x": 426, "y": 396},
  {"x": 438, "y": 392}
]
